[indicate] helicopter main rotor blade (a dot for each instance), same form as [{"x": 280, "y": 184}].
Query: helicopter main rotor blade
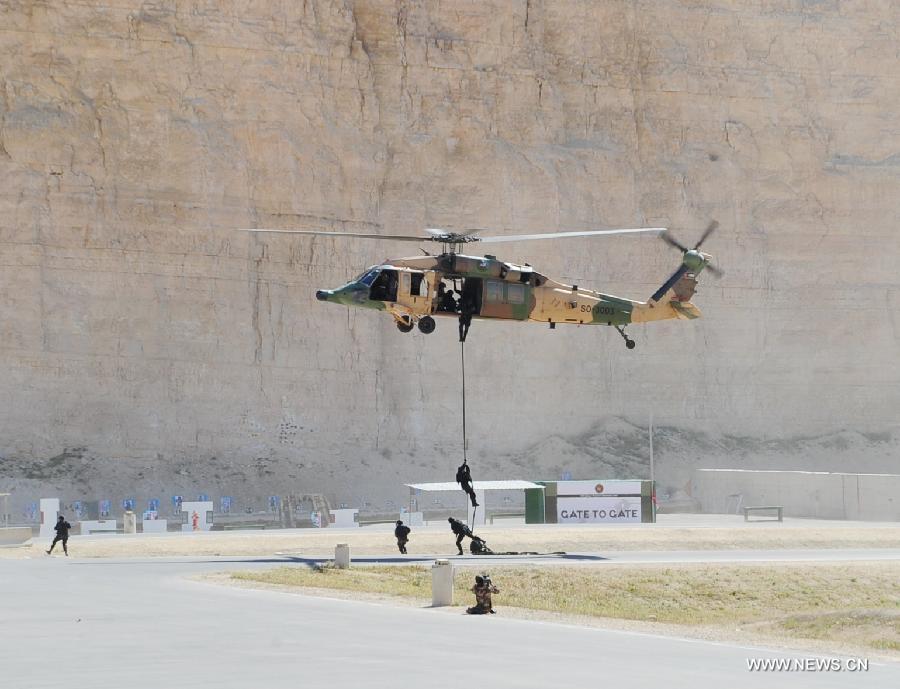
[
  {"x": 671, "y": 241},
  {"x": 717, "y": 272},
  {"x": 356, "y": 235},
  {"x": 565, "y": 235},
  {"x": 708, "y": 231}
]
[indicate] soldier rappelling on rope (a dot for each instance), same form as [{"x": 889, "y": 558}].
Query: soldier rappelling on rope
[{"x": 464, "y": 479}]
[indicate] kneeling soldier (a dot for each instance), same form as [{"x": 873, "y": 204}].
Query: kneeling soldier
[{"x": 483, "y": 589}]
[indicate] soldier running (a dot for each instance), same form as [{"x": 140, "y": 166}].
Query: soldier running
[
  {"x": 402, "y": 534},
  {"x": 62, "y": 534}
]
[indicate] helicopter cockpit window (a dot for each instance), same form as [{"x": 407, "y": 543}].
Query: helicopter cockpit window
[
  {"x": 368, "y": 277},
  {"x": 384, "y": 288}
]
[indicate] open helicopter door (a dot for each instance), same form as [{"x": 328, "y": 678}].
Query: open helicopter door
[
  {"x": 416, "y": 290},
  {"x": 471, "y": 298}
]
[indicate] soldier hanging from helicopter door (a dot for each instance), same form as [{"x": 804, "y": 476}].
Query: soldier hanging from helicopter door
[{"x": 469, "y": 305}]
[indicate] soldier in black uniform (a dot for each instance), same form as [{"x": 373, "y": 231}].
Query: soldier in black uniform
[
  {"x": 466, "y": 311},
  {"x": 461, "y": 531},
  {"x": 402, "y": 534},
  {"x": 62, "y": 534},
  {"x": 464, "y": 479},
  {"x": 446, "y": 302}
]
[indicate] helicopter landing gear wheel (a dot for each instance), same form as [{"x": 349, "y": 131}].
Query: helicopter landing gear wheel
[
  {"x": 629, "y": 343},
  {"x": 426, "y": 325},
  {"x": 405, "y": 324}
]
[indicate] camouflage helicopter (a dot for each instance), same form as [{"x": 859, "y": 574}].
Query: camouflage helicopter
[{"x": 451, "y": 285}]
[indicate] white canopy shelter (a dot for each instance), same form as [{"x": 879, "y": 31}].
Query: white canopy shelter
[{"x": 480, "y": 487}]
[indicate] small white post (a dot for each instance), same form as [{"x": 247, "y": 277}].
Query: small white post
[
  {"x": 342, "y": 556},
  {"x": 441, "y": 583},
  {"x": 129, "y": 522}
]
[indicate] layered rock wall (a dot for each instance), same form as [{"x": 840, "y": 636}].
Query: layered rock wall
[{"x": 155, "y": 349}]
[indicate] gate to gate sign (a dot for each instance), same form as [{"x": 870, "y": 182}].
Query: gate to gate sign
[
  {"x": 599, "y": 502},
  {"x": 598, "y": 510}
]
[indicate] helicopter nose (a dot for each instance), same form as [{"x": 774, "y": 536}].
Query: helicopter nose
[{"x": 321, "y": 295}]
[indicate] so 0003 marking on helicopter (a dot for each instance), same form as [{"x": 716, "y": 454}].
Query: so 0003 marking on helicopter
[{"x": 415, "y": 290}]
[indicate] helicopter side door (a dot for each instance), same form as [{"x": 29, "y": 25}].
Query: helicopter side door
[{"x": 416, "y": 290}]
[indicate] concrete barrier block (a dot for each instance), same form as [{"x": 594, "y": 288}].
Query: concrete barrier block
[
  {"x": 107, "y": 525},
  {"x": 342, "y": 556},
  {"x": 441, "y": 583},
  {"x": 155, "y": 525},
  {"x": 15, "y": 535}
]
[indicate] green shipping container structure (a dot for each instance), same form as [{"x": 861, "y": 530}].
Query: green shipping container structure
[{"x": 534, "y": 506}]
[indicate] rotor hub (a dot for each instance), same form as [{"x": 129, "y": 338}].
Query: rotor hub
[{"x": 694, "y": 260}]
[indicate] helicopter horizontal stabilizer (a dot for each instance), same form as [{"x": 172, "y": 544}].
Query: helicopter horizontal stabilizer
[{"x": 686, "y": 311}]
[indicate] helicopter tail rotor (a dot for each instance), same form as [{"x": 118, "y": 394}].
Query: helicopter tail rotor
[{"x": 693, "y": 261}]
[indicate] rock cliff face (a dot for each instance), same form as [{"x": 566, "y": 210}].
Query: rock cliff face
[{"x": 154, "y": 349}]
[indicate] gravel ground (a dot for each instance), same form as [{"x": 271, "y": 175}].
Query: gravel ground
[{"x": 379, "y": 541}]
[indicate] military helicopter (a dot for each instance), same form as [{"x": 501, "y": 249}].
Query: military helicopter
[{"x": 416, "y": 290}]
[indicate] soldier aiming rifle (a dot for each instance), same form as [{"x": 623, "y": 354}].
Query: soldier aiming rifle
[{"x": 483, "y": 589}]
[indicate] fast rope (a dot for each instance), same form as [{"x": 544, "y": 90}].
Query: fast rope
[
  {"x": 462, "y": 357},
  {"x": 462, "y": 354}
]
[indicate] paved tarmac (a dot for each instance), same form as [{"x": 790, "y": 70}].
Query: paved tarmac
[{"x": 142, "y": 623}]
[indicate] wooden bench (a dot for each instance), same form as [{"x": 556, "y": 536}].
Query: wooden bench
[{"x": 778, "y": 508}]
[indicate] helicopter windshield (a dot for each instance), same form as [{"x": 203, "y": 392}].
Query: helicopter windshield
[{"x": 368, "y": 277}]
